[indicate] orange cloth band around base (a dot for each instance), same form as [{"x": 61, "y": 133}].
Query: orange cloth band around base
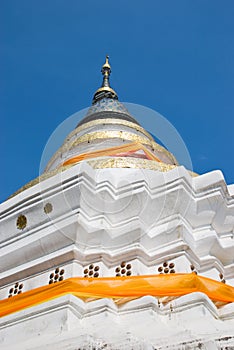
[{"x": 121, "y": 287}]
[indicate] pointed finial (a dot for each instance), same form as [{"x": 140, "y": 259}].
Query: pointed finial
[
  {"x": 106, "y": 65},
  {"x": 105, "y": 90},
  {"x": 106, "y": 71}
]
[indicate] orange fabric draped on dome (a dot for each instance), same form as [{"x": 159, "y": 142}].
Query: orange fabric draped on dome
[
  {"x": 121, "y": 287},
  {"x": 113, "y": 151}
]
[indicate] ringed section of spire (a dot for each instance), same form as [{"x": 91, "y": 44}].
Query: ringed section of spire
[
  {"x": 108, "y": 130},
  {"x": 105, "y": 90}
]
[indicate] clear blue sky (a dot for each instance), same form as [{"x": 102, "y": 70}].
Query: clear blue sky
[{"x": 176, "y": 57}]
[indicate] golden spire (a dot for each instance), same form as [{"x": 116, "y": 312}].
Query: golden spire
[
  {"x": 106, "y": 71},
  {"x": 105, "y": 90},
  {"x": 106, "y": 64}
]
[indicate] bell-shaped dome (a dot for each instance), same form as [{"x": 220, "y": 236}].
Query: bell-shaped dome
[
  {"x": 107, "y": 132},
  {"x": 108, "y": 137}
]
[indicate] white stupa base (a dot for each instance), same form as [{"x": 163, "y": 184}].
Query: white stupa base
[{"x": 70, "y": 323}]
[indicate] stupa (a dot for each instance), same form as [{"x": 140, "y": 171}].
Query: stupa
[{"x": 117, "y": 246}]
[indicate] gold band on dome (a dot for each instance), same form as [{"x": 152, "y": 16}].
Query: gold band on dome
[
  {"x": 105, "y": 88},
  {"x": 128, "y": 162},
  {"x": 110, "y": 134},
  {"x": 109, "y": 121}
]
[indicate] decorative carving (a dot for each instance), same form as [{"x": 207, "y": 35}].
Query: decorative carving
[
  {"x": 57, "y": 275},
  {"x": 48, "y": 208},
  {"x": 92, "y": 271},
  {"x": 21, "y": 222},
  {"x": 17, "y": 289},
  {"x": 166, "y": 268},
  {"x": 123, "y": 269}
]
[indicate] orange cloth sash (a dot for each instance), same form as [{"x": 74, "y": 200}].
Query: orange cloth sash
[
  {"x": 121, "y": 287},
  {"x": 113, "y": 151}
]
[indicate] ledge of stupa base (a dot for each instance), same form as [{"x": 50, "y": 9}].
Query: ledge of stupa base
[
  {"x": 99, "y": 195},
  {"x": 113, "y": 175},
  {"x": 191, "y": 322},
  {"x": 116, "y": 199}
]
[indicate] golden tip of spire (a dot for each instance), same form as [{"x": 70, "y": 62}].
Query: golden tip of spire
[{"x": 106, "y": 64}]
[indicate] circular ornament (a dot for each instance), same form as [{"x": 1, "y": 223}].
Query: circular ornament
[
  {"x": 48, "y": 208},
  {"x": 21, "y": 222}
]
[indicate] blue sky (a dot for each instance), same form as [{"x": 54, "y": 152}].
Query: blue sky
[{"x": 175, "y": 57}]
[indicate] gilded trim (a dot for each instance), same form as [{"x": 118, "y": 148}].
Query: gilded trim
[
  {"x": 109, "y": 121},
  {"x": 128, "y": 162},
  {"x": 105, "y": 88},
  {"x": 109, "y": 134}
]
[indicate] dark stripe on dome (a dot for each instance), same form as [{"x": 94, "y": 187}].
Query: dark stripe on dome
[{"x": 107, "y": 114}]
